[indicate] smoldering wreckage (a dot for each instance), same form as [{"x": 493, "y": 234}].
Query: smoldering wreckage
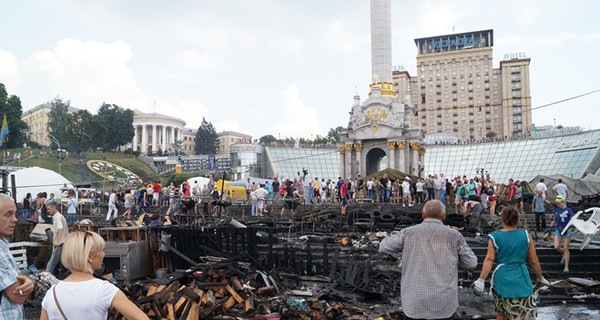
[{"x": 315, "y": 264}]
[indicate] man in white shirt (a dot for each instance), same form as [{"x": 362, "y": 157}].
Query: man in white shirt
[
  {"x": 112, "y": 206},
  {"x": 419, "y": 189},
  {"x": 370, "y": 188},
  {"x": 561, "y": 189},
  {"x": 196, "y": 190},
  {"x": 541, "y": 186},
  {"x": 406, "y": 192},
  {"x": 261, "y": 194},
  {"x": 60, "y": 232}
]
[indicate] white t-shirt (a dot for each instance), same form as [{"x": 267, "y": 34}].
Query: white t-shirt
[
  {"x": 561, "y": 189},
  {"x": 261, "y": 194},
  {"x": 89, "y": 299},
  {"x": 419, "y": 186},
  {"x": 72, "y": 205},
  {"x": 541, "y": 187},
  {"x": 406, "y": 188}
]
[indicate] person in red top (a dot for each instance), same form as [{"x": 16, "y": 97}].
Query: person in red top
[
  {"x": 512, "y": 190},
  {"x": 157, "y": 188},
  {"x": 344, "y": 195}
]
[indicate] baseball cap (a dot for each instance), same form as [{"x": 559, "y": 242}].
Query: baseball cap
[{"x": 560, "y": 198}]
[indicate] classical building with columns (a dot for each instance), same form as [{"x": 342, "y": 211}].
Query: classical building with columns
[
  {"x": 154, "y": 133},
  {"x": 382, "y": 131}
]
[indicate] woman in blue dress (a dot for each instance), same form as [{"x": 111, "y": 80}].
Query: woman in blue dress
[{"x": 510, "y": 249}]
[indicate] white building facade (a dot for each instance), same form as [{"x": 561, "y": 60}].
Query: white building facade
[{"x": 155, "y": 133}]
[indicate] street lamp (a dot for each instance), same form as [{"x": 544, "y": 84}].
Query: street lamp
[{"x": 59, "y": 151}]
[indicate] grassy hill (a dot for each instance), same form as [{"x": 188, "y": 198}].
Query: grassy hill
[{"x": 75, "y": 169}]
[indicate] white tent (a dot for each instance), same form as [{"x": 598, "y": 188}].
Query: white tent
[
  {"x": 202, "y": 181},
  {"x": 36, "y": 179}
]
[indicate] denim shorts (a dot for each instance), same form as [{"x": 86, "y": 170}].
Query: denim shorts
[{"x": 569, "y": 233}]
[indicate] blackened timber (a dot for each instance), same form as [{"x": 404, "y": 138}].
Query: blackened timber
[
  {"x": 334, "y": 264},
  {"x": 286, "y": 255},
  {"x": 270, "y": 256},
  {"x": 325, "y": 257},
  {"x": 366, "y": 271},
  {"x": 309, "y": 268}
]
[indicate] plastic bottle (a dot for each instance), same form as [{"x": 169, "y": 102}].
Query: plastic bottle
[{"x": 124, "y": 273}]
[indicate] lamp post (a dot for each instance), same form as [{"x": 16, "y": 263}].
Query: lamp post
[{"x": 59, "y": 151}]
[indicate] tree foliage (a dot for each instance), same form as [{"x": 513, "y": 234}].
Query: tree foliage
[
  {"x": 118, "y": 124},
  {"x": 268, "y": 139},
  {"x": 17, "y": 128},
  {"x": 85, "y": 132},
  {"x": 206, "y": 138},
  {"x": 59, "y": 120},
  {"x": 334, "y": 134},
  {"x": 80, "y": 131}
]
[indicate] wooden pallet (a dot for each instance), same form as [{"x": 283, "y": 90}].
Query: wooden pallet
[{"x": 135, "y": 234}]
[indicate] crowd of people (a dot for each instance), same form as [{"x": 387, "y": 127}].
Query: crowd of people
[{"x": 429, "y": 284}]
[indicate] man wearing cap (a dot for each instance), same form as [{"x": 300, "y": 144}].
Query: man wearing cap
[{"x": 562, "y": 216}]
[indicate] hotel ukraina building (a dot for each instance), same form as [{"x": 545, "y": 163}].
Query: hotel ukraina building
[{"x": 457, "y": 90}]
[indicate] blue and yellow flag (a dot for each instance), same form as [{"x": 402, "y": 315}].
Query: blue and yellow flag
[{"x": 4, "y": 131}]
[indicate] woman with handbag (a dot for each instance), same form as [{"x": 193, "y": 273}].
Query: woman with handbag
[{"x": 81, "y": 295}]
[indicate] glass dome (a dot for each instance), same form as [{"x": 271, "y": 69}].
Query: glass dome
[{"x": 440, "y": 138}]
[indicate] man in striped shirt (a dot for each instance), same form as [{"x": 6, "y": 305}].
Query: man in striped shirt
[{"x": 431, "y": 255}]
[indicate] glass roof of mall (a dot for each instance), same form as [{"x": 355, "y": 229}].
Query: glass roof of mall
[
  {"x": 570, "y": 155},
  {"x": 288, "y": 162}
]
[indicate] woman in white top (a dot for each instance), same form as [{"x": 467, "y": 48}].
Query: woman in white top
[{"x": 81, "y": 295}]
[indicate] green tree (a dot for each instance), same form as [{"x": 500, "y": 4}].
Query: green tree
[
  {"x": 206, "y": 138},
  {"x": 268, "y": 139},
  {"x": 17, "y": 128},
  {"x": 334, "y": 134},
  {"x": 321, "y": 140},
  {"x": 118, "y": 123},
  {"x": 85, "y": 132},
  {"x": 59, "y": 120}
]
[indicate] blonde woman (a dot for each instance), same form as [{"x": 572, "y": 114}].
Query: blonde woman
[{"x": 81, "y": 295}]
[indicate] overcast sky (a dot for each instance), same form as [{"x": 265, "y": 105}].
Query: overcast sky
[{"x": 287, "y": 68}]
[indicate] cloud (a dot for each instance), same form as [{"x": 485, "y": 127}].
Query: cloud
[
  {"x": 230, "y": 125},
  {"x": 345, "y": 37},
  {"x": 200, "y": 61},
  {"x": 189, "y": 111},
  {"x": 9, "y": 68},
  {"x": 87, "y": 73},
  {"x": 298, "y": 120}
]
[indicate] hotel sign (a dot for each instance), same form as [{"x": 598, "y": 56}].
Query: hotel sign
[
  {"x": 463, "y": 41},
  {"x": 579, "y": 143},
  {"x": 516, "y": 55}
]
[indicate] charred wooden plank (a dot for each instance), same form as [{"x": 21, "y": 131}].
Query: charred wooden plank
[
  {"x": 236, "y": 283},
  {"x": 249, "y": 304},
  {"x": 234, "y": 294},
  {"x": 229, "y": 303},
  {"x": 194, "y": 313}
]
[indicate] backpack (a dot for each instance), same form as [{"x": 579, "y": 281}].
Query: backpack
[
  {"x": 489, "y": 191},
  {"x": 463, "y": 191}
]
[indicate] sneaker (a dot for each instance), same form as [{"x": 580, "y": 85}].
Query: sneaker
[
  {"x": 566, "y": 270},
  {"x": 403, "y": 205},
  {"x": 411, "y": 205}
]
